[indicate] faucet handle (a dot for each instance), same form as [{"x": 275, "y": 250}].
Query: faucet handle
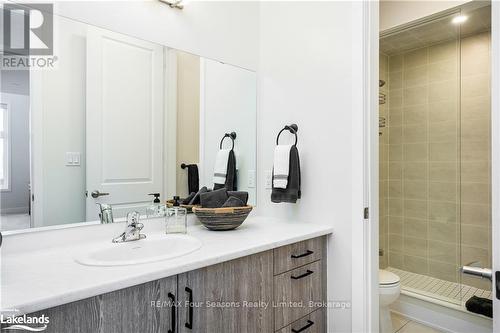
[{"x": 133, "y": 219}]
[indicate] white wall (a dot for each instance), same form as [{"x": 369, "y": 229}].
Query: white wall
[
  {"x": 62, "y": 106},
  {"x": 228, "y": 103},
  {"x": 222, "y": 30},
  {"x": 306, "y": 77},
  {"x": 188, "y": 118},
  {"x": 394, "y": 13},
  {"x": 16, "y": 200}
]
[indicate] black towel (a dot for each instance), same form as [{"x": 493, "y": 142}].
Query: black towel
[
  {"x": 480, "y": 305},
  {"x": 193, "y": 178},
  {"x": 292, "y": 191},
  {"x": 242, "y": 195},
  {"x": 187, "y": 200},
  {"x": 213, "y": 199},
  {"x": 230, "y": 184},
  {"x": 234, "y": 202},
  {"x": 196, "y": 198}
]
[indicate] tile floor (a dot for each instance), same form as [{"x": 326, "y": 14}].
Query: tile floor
[
  {"x": 436, "y": 288},
  {"x": 402, "y": 324}
]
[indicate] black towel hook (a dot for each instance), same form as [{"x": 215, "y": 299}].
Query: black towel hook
[
  {"x": 231, "y": 135},
  {"x": 293, "y": 128}
]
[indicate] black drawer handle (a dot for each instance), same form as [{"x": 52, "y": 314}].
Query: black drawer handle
[
  {"x": 189, "y": 322},
  {"x": 305, "y": 327},
  {"x": 309, "y": 272},
  {"x": 173, "y": 315},
  {"x": 305, "y": 254}
]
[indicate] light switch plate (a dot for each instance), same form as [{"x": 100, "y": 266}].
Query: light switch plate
[
  {"x": 76, "y": 158},
  {"x": 73, "y": 158},
  {"x": 269, "y": 180},
  {"x": 69, "y": 158}
]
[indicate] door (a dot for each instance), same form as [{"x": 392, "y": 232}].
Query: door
[
  {"x": 213, "y": 297},
  {"x": 124, "y": 110}
]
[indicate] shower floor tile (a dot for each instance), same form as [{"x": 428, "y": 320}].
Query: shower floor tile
[{"x": 436, "y": 288}]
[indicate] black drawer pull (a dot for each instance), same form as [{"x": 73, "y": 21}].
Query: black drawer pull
[
  {"x": 309, "y": 272},
  {"x": 173, "y": 315},
  {"x": 305, "y": 254},
  {"x": 189, "y": 322},
  {"x": 309, "y": 324}
]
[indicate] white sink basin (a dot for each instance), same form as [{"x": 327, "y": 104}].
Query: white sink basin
[{"x": 152, "y": 248}]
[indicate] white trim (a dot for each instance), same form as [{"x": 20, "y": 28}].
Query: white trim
[
  {"x": 495, "y": 151},
  {"x": 36, "y": 147},
  {"x": 364, "y": 303},
  {"x": 7, "y": 157},
  {"x": 441, "y": 317},
  {"x": 372, "y": 163},
  {"x": 170, "y": 132},
  {"x": 201, "y": 162}
]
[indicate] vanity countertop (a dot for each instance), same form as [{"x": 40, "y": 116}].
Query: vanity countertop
[{"x": 38, "y": 269}]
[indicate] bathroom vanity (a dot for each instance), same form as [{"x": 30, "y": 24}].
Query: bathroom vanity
[{"x": 268, "y": 276}]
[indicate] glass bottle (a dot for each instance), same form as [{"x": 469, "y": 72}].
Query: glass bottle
[
  {"x": 156, "y": 209},
  {"x": 176, "y": 221}
]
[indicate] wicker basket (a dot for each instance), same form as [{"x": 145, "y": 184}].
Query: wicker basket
[{"x": 226, "y": 218}]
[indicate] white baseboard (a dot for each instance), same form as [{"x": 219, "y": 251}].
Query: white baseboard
[
  {"x": 441, "y": 317},
  {"x": 15, "y": 210}
]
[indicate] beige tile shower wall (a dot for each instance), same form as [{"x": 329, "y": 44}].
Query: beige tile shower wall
[
  {"x": 384, "y": 165},
  {"x": 438, "y": 168}
]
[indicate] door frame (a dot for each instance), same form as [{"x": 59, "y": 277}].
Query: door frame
[
  {"x": 369, "y": 312},
  {"x": 36, "y": 148},
  {"x": 495, "y": 152},
  {"x": 365, "y": 237}
]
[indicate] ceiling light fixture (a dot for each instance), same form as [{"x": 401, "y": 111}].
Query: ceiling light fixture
[
  {"x": 174, "y": 4},
  {"x": 459, "y": 19}
]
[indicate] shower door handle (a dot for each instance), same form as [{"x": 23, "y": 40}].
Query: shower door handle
[{"x": 484, "y": 273}]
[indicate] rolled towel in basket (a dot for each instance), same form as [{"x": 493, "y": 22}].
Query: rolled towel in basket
[
  {"x": 234, "y": 202},
  {"x": 242, "y": 195},
  {"x": 213, "y": 199}
]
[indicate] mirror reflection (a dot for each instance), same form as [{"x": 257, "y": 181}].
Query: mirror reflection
[{"x": 114, "y": 121}]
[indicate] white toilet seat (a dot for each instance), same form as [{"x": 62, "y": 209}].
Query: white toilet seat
[{"x": 386, "y": 278}]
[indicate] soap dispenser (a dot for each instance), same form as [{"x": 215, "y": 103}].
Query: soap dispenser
[
  {"x": 156, "y": 209},
  {"x": 176, "y": 218}
]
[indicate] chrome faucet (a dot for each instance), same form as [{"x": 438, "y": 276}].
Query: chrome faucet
[
  {"x": 106, "y": 214},
  {"x": 132, "y": 231}
]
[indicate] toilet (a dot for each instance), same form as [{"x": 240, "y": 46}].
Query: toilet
[{"x": 389, "y": 289}]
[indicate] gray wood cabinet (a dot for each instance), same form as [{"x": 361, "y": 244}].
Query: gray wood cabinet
[
  {"x": 144, "y": 308},
  {"x": 312, "y": 323},
  {"x": 242, "y": 295},
  {"x": 234, "y": 296}
]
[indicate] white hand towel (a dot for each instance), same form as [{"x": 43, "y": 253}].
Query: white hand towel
[
  {"x": 220, "y": 169},
  {"x": 281, "y": 166}
]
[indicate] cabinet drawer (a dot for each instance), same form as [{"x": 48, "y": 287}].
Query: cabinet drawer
[
  {"x": 295, "y": 255},
  {"x": 293, "y": 292},
  {"x": 312, "y": 323}
]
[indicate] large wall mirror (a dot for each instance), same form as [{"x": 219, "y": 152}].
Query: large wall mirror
[{"x": 113, "y": 121}]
